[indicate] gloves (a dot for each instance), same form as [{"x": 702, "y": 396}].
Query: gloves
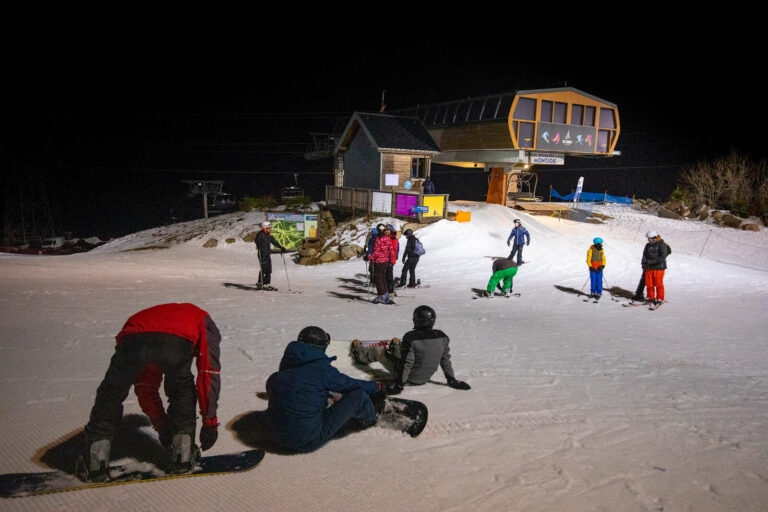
[
  {"x": 507, "y": 243},
  {"x": 601, "y": 267},
  {"x": 592, "y": 269},
  {"x": 528, "y": 242},
  {"x": 209, "y": 432},
  {"x": 457, "y": 384},
  {"x": 365, "y": 257}
]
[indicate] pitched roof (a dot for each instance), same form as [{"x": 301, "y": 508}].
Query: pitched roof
[{"x": 393, "y": 133}]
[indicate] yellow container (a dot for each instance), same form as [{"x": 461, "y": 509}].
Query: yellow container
[{"x": 463, "y": 216}]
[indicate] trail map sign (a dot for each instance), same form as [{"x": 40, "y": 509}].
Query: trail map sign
[{"x": 291, "y": 228}]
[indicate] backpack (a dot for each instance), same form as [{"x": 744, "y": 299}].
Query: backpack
[{"x": 418, "y": 249}]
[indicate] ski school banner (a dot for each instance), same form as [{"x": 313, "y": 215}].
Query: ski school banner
[{"x": 593, "y": 196}]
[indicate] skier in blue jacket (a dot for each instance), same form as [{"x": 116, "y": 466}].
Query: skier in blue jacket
[
  {"x": 519, "y": 237},
  {"x": 299, "y": 419}
]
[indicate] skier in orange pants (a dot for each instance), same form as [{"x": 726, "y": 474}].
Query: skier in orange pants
[{"x": 654, "y": 264}]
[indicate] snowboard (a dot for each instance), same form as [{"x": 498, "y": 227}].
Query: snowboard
[
  {"x": 14, "y": 485},
  {"x": 480, "y": 294},
  {"x": 409, "y": 416}
]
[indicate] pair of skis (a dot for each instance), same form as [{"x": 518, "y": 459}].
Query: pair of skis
[{"x": 651, "y": 306}]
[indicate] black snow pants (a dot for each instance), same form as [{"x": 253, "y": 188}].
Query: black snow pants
[
  {"x": 409, "y": 266},
  {"x": 265, "y": 276},
  {"x": 173, "y": 354}
]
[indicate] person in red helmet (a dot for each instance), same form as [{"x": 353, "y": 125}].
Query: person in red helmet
[{"x": 155, "y": 344}]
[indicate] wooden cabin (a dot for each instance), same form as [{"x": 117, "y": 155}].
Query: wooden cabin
[
  {"x": 373, "y": 146},
  {"x": 381, "y": 164}
]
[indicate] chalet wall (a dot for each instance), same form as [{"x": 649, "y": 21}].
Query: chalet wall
[
  {"x": 396, "y": 163},
  {"x": 361, "y": 163}
]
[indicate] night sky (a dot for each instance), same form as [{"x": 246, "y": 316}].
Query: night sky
[{"x": 108, "y": 134}]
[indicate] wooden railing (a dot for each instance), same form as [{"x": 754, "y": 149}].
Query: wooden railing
[{"x": 361, "y": 201}]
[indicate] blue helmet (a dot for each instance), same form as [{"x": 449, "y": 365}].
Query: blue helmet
[
  {"x": 597, "y": 240},
  {"x": 373, "y": 230}
]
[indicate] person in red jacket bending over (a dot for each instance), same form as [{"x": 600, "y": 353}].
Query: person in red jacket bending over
[{"x": 154, "y": 343}]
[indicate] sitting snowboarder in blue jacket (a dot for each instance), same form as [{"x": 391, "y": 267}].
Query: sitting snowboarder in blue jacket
[{"x": 299, "y": 419}]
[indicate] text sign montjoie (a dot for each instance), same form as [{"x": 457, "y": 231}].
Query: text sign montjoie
[{"x": 546, "y": 158}]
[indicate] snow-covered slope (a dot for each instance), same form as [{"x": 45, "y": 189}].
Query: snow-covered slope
[{"x": 574, "y": 406}]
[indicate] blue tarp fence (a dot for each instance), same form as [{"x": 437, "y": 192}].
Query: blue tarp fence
[{"x": 593, "y": 197}]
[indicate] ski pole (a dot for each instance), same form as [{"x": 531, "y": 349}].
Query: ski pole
[
  {"x": 261, "y": 280},
  {"x": 608, "y": 288},
  {"x": 582, "y": 288},
  {"x": 286, "y": 271}
]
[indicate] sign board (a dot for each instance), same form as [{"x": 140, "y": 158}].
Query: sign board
[
  {"x": 391, "y": 180},
  {"x": 546, "y": 158},
  {"x": 407, "y": 185},
  {"x": 381, "y": 202},
  {"x": 404, "y": 204},
  {"x": 289, "y": 229},
  {"x": 435, "y": 205},
  {"x": 566, "y": 137},
  {"x": 420, "y": 209}
]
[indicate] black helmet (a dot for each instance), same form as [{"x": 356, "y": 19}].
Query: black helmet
[
  {"x": 380, "y": 229},
  {"x": 424, "y": 317},
  {"x": 313, "y": 335},
  {"x": 408, "y": 232}
]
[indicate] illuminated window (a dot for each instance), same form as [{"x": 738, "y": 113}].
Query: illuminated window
[
  {"x": 525, "y": 135},
  {"x": 561, "y": 109},
  {"x": 589, "y": 116},
  {"x": 577, "y": 114},
  {"x": 546, "y": 112},
  {"x": 607, "y": 119},
  {"x": 526, "y": 109}
]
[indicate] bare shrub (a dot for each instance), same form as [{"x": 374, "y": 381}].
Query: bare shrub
[{"x": 733, "y": 182}]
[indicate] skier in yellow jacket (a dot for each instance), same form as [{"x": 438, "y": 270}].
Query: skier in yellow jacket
[{"x": 596, "y": 263}]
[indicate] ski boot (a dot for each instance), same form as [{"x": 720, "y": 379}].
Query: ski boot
[
  {"x": 184, "y": 454},
  {"x": 485, "y": 294},
  {"x": 93, "y": 465}
]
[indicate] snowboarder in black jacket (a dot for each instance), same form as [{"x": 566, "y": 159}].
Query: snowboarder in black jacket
[
  {"x": 414, "y": 359},
  {"x": 263, "y": 241},
  {"x": 410, "y": 260}
]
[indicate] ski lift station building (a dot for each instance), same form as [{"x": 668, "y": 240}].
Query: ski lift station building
[{"x": 380, "y": 156}]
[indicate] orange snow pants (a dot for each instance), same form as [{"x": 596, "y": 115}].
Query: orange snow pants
[{"x": 654, "y": 283}]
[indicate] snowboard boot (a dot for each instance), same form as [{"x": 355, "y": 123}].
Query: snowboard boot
[
  {"x": 379, "y": 400},
  {"x": 95, "y": 461},
  {"x": 184, "y": 454},
  {"x": 485, "y": 294},
  {"x": 353, "y": 348}
]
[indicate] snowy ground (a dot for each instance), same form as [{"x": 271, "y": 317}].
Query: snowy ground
[{"x": 575, "y": 406}]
